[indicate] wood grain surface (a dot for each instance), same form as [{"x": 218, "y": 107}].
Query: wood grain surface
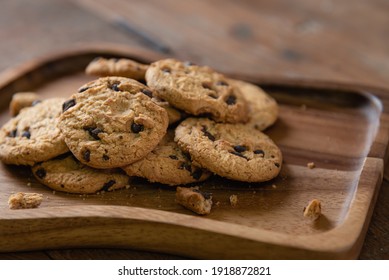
[{"x": 346, "y": 41}]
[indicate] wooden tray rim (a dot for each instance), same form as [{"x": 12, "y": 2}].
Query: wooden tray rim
[{"x": 331, "y": 247}]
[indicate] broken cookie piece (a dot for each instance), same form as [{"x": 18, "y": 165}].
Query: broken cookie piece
[
  {"x": 313, "y": 210},
  {"x": 234, "y": 200},
  {"x": 194, "y": 200},
  {"x": 22, "y": 200}
]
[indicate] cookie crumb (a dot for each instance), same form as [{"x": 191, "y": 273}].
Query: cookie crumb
[
  {"x": 22, "y": 200},
  {"x": 234, "y": 200},
  {"x": 311, "y": 165},
  {"x": 194, "y": 200},
  {"x": 313, "y": 210},
  {"x": 274, "y": 186},
  {"x": 28, "y": 184},
  {"x": 128, "y": 187}
]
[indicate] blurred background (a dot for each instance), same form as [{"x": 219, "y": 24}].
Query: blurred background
[{"x": 344, "y": 40}]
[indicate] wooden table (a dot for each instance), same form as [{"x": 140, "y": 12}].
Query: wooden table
[{"x": 345, "y": 41}]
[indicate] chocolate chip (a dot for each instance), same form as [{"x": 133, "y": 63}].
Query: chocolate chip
[
  {"x": 36, "y": 102},
  {"x": 166, "y": 70},
  {"x": 94, "y": 132},
  {"x": 259, "y": 152},
  {"x": 13, "y": 133},
  {"x": 40, "y": 173},
  {"x": 136, "y": 128},
  {"x": 277, "y": 164},
  {"x": 83, "y": 89},
  {"x": 206, "y": 133},
  {"x": 238, "y": 154},
  {"x": 63, "y": 156},
  {"x": 231, "y": 100},
  {"x": 197, "y": 174},
  {"x": 68, "y": 104},
  {"x": 86, "y": 155},
  {"x": 173, "y": 157},
  {"x": 115, "y": 87},
  {"x": 107, "y": 185},
  {"x": 185, "y": 166},
  {"x": 240, "y": 149},
  {"x": 204, "y": 194},
  {"x": 222, "y": 83},
  {"x": 206, "y": 86},
  {"x": 147, "y": 92},
  {"x": 105, "y": 157},
  {"x": 26, "y": 134}
]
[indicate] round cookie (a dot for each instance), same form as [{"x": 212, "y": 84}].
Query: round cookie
[
  {"x": 112, "y": 82},
  {"x": 197, "y": 90},
  {"x": 21, "y": 100},
  {"x": 234, "y": 151},
  {"x": 263, "y": 109},
  {"x": 65, "y": 173},
  {"x": 122, "y": 67},
  {"x": 32, "y": 136},
  {"x": 167, "y": 164},
  {"x": 111, "y": 122}
]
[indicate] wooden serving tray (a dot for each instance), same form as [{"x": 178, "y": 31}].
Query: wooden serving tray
[{"x": 343, "y": 129}]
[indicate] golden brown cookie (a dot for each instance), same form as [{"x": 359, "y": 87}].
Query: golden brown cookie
[
  {"x": 122, "y": 67},
  {"x": 111, "y": 122},
  {"x": 32, "y": 136},
  {"x": 167, "y": 164},
  {"x": 197, "y": 90},
  {"x": 21, "y": 100},
  {"x": 234, "y": 151},
  {"x": 263, "y": 109},
  {"x": 65, "y": 173}
]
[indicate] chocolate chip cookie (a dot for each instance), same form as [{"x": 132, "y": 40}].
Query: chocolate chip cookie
[
  {"x": 263, "y": 109},
  {"x": 197, "y": 90},
  {"x": 21, "y": 100},
  {"x": 234, "y": 151},
  {"x": 111, "y": 122},
  {"x": 65, "y": 173},
  {"x": 32, "y": 136},
  {"x": 167, "y": 164},
  {"x": 121, "y": 67},
  {"x": 121, "y": 83}
]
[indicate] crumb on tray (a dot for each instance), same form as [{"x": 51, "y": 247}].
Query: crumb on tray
[
  {"x": 313, "y": 210},
  {"x": 311, "y": 165},
  {"x": 234, "y": 200},
  {"x": 194, "y": 200},
  {"x": 22, "y": 200}
]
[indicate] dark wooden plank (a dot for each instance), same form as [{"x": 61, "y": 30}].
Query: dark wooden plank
[
  {"x": 38, "y": 255},
  {"x": 346, "y": 41},
  {"x": 107, "y": 254}
]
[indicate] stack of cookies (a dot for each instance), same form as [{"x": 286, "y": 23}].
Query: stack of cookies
[{"x": 170, "y": 122}]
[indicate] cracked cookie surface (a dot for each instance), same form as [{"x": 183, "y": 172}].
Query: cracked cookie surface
[
  {"x": 263, "y": 109},
  {"x": 112, "y": 122},
  {"x": 167, "y": 164},
  {"x": 65, "y": 173},
  {"x": 233, "y": 151},
  {"x": 197, "y": 90},
  {"x": 122, "y": 67},
  {"x": 32, "y": 136}
]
